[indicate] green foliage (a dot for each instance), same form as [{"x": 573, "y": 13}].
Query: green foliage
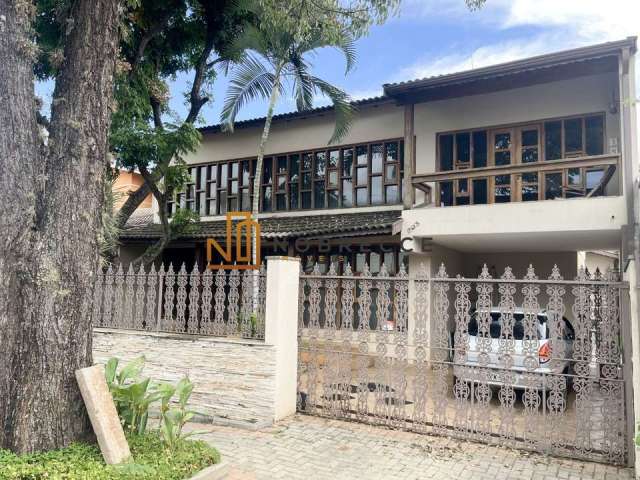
[
  {"x": 173, "y": 419},
  {"x": 279, "y": 59},
  {"x": 133, "y": 396},
  {"x": 334, "y": 16},
  {"x": 84, "y": 462}
]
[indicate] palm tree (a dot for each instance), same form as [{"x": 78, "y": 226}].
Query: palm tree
[{"x": 276, "y": 60}]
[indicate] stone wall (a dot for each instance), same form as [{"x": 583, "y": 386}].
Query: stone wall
[{"x": 234, "y": 379}]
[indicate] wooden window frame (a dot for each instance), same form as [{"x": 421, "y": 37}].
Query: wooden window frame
[{"x": 516, "y": 150}]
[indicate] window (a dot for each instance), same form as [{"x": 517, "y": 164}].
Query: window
[
  {"x": 516, "y": 145},
  {"x": 341, "y": 177}
]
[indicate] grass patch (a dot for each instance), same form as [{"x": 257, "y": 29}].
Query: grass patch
[{"x": 84, "y": 462}]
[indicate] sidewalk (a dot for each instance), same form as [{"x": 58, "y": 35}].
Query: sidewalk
[{"x": 310, "y": 448}]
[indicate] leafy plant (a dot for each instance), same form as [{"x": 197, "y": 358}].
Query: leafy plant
[
  {"x": 134, "y": 395},
  {"x": 131, "y": 394}
]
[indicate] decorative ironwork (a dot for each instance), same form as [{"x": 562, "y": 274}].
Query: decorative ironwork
[{"x": 525, "y": 362}]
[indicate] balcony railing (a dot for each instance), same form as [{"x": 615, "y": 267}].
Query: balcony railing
[{"x": 576, "y": 177}]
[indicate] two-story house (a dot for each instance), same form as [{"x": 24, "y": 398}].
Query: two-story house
[{"x": 525, "y": 162}]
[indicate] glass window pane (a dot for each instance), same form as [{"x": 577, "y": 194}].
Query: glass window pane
[
  {"x": 530, "y": 138},
  {"x": 333, "y": 178},
  {"x": 245, "y": 199},
  {"x": 321, "y": 163},
  {"x": 391, "y": 173},
  {"x": 502, "y": 141},
  {"x": 213, "y": 170},
  {"x": 446, "y": 152},
  {"x": 530, "y": 155},
  {"x": 224, "y": 168},
  {"x": 202, "y": 203},
  {"x": 480, "y": 149},
  {"x": 281, "y": 201},
  {"x": 462, "y": 200},
  {"x": 463, "y": 185},
  {"x": 234, "y": 187},
  {"x": 593, "y": 178},
  {"x": 347, "y": 162},
  {"x": 553, "y": 186},
  {"x": 293, "y": 196},
  {"x": 552, "y": 140},
  {"x": 233, "y": 204},
  {"x": 376, "y": 158},
  {"x": 234, "y": 170},
  {"x": 392, "y": 152},
  {"x": 392, "y": 194},
  {"x": 282, "y": 182},
  {"x": 479, "y": 191},
  {"x": 203, "y": 178},
  {"x": 267, "y": 170},
  {"x": 307, "y": 160},
  {"x": 318, "y": 195},
  {"x": 595, "y": 135},
  {"x": 333, "y": 199},
  {"x": 502, "y": 191},
  {"x": 334, "y": 156},
  {"x": 347, "y": 193},
  {"x": 503, "y": 158},
  {"x": 529, "y": 193},
  {"x": 362, "y": 176},
  {"x": 463, "y": 147},
  {"x": 446, "y": 194},
  {"x": 295, "y": 165},
  {"x": 376, "y": 191},
  {"x": 361, "y": 196},
  {"x": 306, "y": 200},
  {"x": 531, "y": 177},
  {"x": 306, "y": 181},
  {"x": 282, "y": 164},
  {"x": 361, "y": 155},
  {"x": 222, "y": 199},
  {"x": 266, "y": 199},
  {"x": 361, "y": 259},
  {"x": 573, "y": 135},
  {"x": 192, "y": 173},
  {"x": 211, "y": 207},
  {"x": 246, "y": 166}
]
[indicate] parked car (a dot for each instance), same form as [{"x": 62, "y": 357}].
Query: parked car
[{"x": 495, "y": 366}]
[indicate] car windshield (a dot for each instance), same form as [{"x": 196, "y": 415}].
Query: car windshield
[{"x": 542, "y": 330}]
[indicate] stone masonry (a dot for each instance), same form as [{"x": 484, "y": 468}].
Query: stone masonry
[{"x": 234, "y": 379}]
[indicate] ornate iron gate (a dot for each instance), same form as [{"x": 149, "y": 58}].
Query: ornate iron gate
[{"x": 529, "y": 363}]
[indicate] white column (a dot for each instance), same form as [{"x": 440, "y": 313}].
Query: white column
[{"x": 281, "y": 329}]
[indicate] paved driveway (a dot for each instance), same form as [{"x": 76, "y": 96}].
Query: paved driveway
[{"x": 312, "y": 448}]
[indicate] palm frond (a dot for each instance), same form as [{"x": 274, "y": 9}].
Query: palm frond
[
  {"x": 343, "y": 108},
  {"x": 250, "y": 81},
  {"x": 303, "y": 88},
  {"x": 345, "y": 44}
]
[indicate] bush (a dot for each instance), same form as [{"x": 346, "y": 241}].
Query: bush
[{"x": 84, "y": 462}]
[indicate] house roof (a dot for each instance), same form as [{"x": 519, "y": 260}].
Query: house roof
[
  {"x": 563, "y": 64},
  {"x": 310, "y": 226},
  {"x": 313, "y": 112},
  {"x": 568, "y": 63}
]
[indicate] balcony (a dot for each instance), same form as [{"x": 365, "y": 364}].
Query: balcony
[{"x": 562, "y": 205}]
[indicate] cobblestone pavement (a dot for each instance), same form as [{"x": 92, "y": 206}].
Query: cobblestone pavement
[{"x": 310, "y": 448}]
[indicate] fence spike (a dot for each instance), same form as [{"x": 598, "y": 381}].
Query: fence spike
[
  {"x": 442, "y": 272},
  {"x": 347, "y": 270},
  {"x": 484, "y": 274},
  {"x": 531, "y": 273},
  {"x": 508, "y": 274},
  {"x": 555, "y": 273},
  {"x": 383, "y": 271}
]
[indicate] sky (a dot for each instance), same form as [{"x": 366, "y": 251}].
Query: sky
[{"x": 432, "y": 37}]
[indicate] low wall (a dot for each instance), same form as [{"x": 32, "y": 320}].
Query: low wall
[{"x": 234, "y": 379}]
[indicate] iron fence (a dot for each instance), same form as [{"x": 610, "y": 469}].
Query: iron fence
[
  {"x": 533, "y": 363},
  {"x": 224, "y": 303}
]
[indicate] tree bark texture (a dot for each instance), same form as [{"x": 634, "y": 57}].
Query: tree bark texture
[{"x": 51, "y": 197}]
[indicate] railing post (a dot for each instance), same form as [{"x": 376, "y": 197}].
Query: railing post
[
  {"x": 281, "y": 329},
  {"x": 160, "y": 296}
]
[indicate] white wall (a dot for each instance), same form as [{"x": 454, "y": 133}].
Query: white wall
[
  {"x": 371, "y": 123},
  {"x": 556, "y": 99}
]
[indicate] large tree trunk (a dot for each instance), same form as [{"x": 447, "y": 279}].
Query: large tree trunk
[{"x": 51, "y": 200}]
